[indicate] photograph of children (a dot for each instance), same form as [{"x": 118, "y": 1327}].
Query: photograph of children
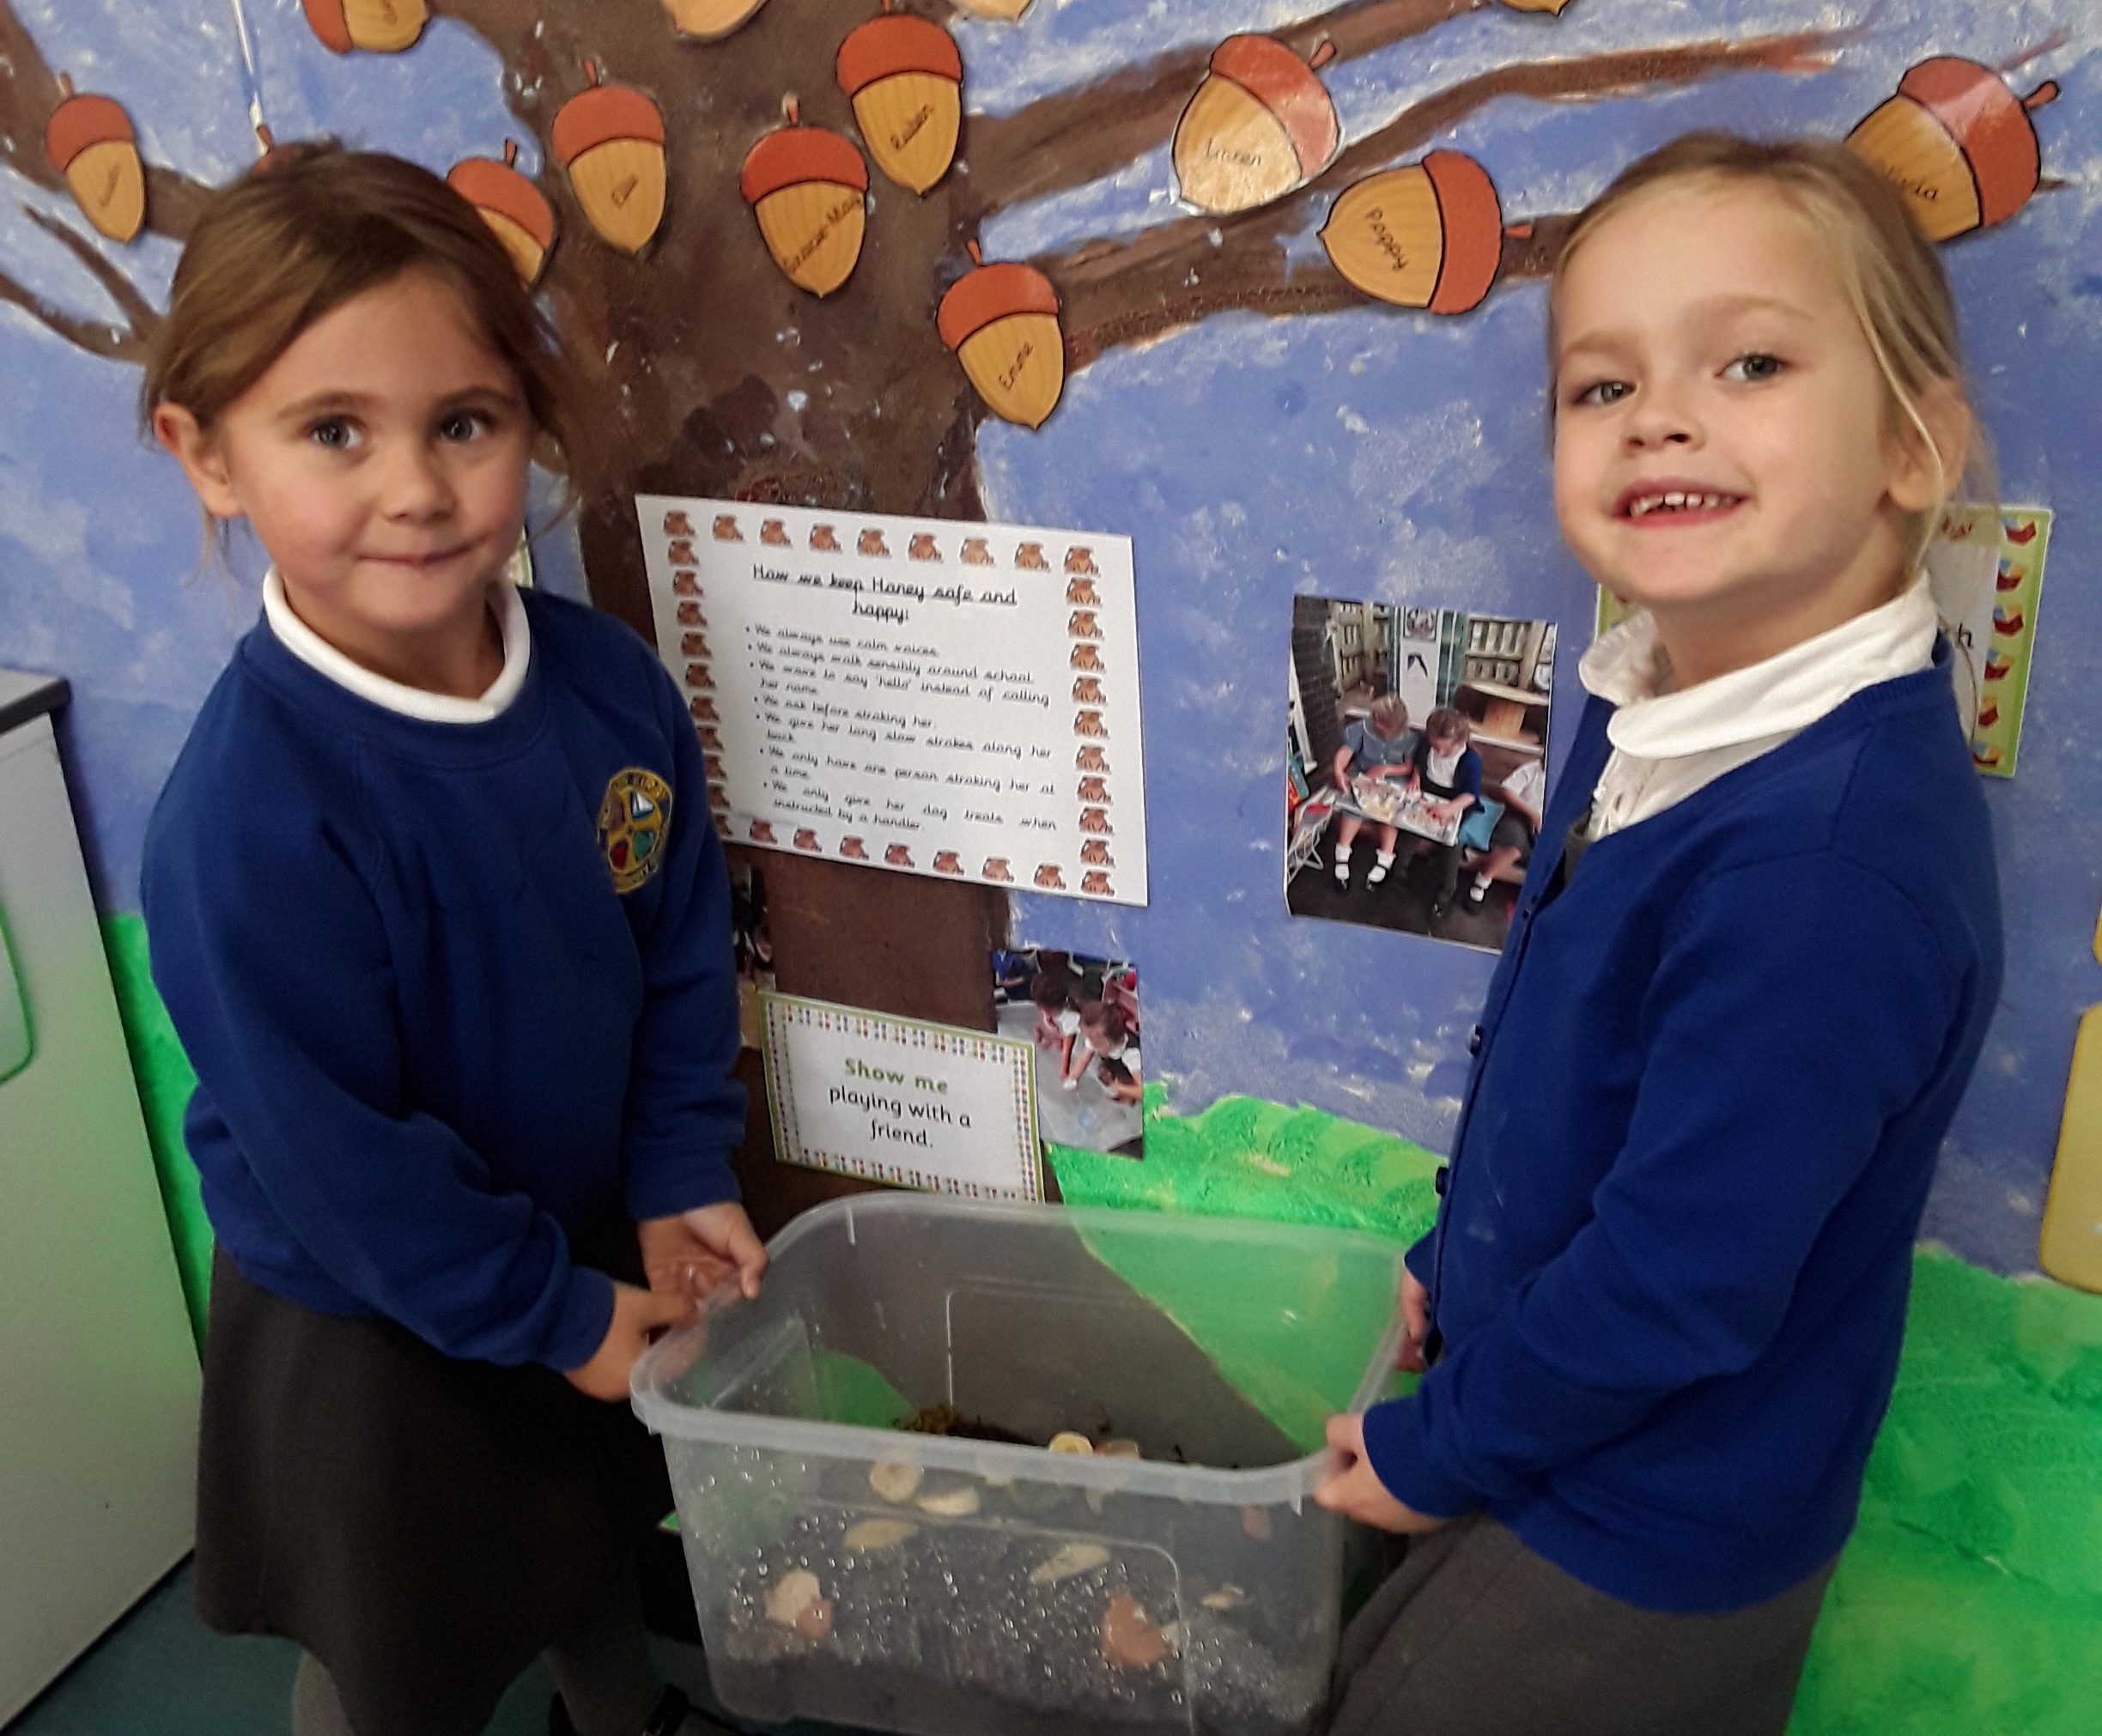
[
  {"x": 754, "y": 948},
  {"x": 1083, "y": 1016},
  {"x": 1424, "y": 735}
]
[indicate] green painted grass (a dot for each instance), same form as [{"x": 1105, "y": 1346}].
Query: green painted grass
[{"x": 165, "y": 1082}]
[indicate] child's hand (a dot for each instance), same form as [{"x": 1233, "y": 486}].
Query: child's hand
[
  {"x": 1415, "y": 1324},
  {"x": 1355, "y": 1490},
  {"x": 638, "y": 1316},
  {"x": 691, "y": 1254}
]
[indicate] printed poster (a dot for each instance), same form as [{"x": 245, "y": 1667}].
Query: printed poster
[
  {"x": 921, "y": 695},
  {"x": 1995, "y": 637},
  {"x": 898, "y": 1101}
]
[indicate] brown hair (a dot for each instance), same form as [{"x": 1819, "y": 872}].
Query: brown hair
[
  {"x": 1446, "y": 724},
  {"x": 311, "y": 227},
  {"x": 1054, "y": 987},
  {"x": 1102, "y": 1019},
  {"x": 1889, "y": 270}
]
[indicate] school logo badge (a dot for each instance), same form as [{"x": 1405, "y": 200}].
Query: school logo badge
[{"x": 633, "y": 821}]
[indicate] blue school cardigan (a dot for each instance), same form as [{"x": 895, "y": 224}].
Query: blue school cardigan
[
  {"x": 1713, "y": 1071},
  {"x": 454, "y": 992}
]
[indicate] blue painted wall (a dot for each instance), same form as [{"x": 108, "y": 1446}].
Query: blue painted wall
[{"x": 1359, "y": 454}]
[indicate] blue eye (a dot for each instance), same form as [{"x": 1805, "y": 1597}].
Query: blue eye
[{"x": 1750, "y": 369}]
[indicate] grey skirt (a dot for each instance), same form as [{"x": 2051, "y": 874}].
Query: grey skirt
[
  {"x": 1475, "y": 1635},
  {"x": 425, "y": 1527}
]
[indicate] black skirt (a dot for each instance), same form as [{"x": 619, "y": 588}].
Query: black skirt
[{"x": 423, "y": 1526}]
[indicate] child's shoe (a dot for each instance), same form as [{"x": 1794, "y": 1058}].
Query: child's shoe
[
  {"x": 1477, "y": 893},
  {"x": 1342, "y": 868}
]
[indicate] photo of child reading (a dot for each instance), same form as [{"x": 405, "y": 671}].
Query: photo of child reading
[
  {"x": 1082, "y": 1014},
  {"x": 1416, "y": 743}
]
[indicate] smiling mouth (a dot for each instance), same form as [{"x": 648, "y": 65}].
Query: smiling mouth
[
  {"x": 437, "y": 557},
  {"x": 1670, "y": 503}
]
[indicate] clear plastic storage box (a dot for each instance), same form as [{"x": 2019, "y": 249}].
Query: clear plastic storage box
[{"x": 1177, "y": 1577}]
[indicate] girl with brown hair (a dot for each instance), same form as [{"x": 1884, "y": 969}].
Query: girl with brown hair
[{"x": 436, "y": 907}]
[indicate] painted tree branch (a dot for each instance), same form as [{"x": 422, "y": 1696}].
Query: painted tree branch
[
  {"x": 144, "y": 316},
  {"x": 96, "y": 337},
  {"x": 1188, "y": 269},
  {"x": 1070, "y": 137}
]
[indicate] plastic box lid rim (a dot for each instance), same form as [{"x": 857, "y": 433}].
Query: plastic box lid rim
[{"x": 1291, "y": 1481}]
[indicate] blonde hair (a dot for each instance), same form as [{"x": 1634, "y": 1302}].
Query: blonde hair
[
  {"x": 1887, "y": 268},
  {"x": 312, "y": 227}
]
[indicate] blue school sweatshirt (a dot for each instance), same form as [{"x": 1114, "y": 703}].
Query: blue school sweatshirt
[
  {"x": 1712, "y": 1073},
  {"x": 454, "y": 991}
]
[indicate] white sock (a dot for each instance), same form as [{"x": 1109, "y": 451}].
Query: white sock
[
  {"x": 1385, "y": 857},
  {"x": 1481, "y": 882}
]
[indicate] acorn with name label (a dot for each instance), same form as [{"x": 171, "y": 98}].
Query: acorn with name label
[
  {"x": 513, "y": 207},
  {"x": 1002, "y": 322},
  {"x": 90, "y": 141},
  {"x": 610, "y": 139},
  {"x": 808, "y": 187},
  {"x": 377, "y": 27},
  {"x": 905, "y": 77},
  {"x": 1261, "y": 126},
  {"x": 1958, "y": 143},
  {"x": 1427, "y": 235}
]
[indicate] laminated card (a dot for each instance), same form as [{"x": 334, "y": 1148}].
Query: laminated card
[
  {"x": 899, "y": 1101},
  {"x": 921, "y": 695}
]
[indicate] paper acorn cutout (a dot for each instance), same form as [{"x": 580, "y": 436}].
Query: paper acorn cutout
[
  {"x": 513, "y": 207},
  {"x": 378, "y": 26},
  {"x": 1001, "y": 11},
  {"x": 610, "y": 138},
  {"x": 1429, "y": 235},
  {"x": 710, "y": 20},
  {"x": 809, "y": 188},
  {"x": 906, "y": 79},
  {"x": 1554, "y": 6},
  {"x": 1002, "y": 322},
  {"x": 1958, "y": 143},
  {"x": 1260, "y": 125},
  {"x": 90, "y": 142}
]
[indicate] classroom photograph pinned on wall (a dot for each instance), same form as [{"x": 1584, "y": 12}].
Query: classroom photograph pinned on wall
[
  {"x": 1081, "y": 1017},
  {"x": 753, "y": 945},
  {"x": 1415, "y": 765}
]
